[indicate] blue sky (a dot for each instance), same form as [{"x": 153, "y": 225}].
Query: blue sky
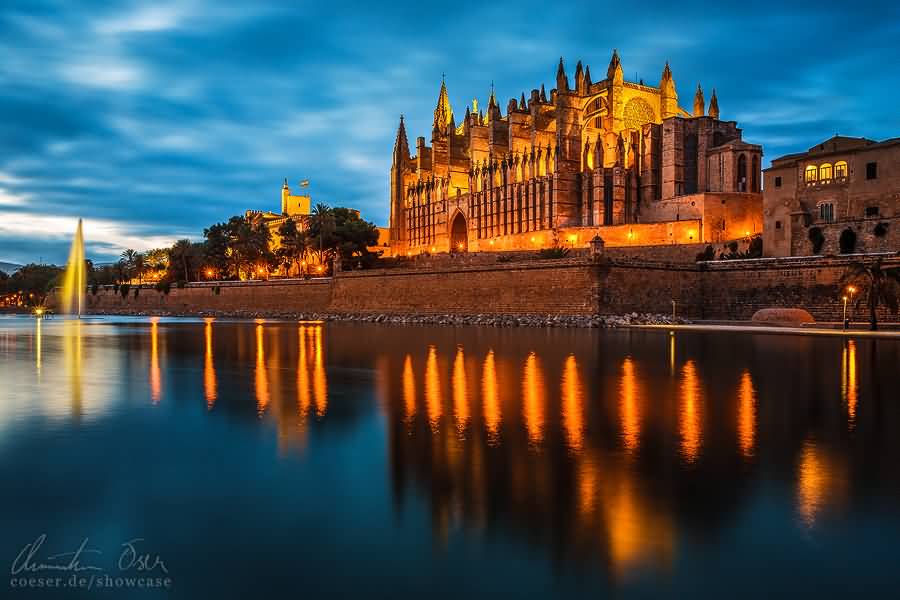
[{"x": 152, "y": 120}]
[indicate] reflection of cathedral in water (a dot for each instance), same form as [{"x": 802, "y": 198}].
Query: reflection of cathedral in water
[{"x": 595, "y": 451}]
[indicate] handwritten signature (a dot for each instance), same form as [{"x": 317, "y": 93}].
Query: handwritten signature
[{"x": 130, "y": 559}]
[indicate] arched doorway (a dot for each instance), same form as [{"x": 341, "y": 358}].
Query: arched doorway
[{"x": 459, "y": 238}]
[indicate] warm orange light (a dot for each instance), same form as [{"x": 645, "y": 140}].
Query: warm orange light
[
  {"x": 533, "y": 405},
  {"x": 747, "y": 233},
  {"x": 321, "y": 269},
  {"x": 844, "y": 298},
  {"x": 209, "y": 272},
  {"x": 491, "y": 242},
  {"x": 433, "y": 249},
  {"x": 38, "y": 311},
  {"x": 460, "y": 245},
  {"x": 630, "y": 234},
  {"x": 851, "y": 290},
  {"x": 691, "y": 234},
  {"x": 533, "y": 239},
  {"x": 460, "y": 393},
  {"x": 573, "y": 238},
  {"x": 433, "y": 401}
]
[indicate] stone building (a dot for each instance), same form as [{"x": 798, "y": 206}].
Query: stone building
[
  {"x": 844, "y": 183},
  {"x": 611, "y": 157},
  {"x": 293, "y": 207}
]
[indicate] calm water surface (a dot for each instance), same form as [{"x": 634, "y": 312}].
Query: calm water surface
[{"x": 283, "y": 459}]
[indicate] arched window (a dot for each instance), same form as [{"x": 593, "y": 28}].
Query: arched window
[
  {"x": 825, "y": 172},
  {"x": 826, "y": 212},
  {"x": 742, "y": 173},
  {"x": 812, "y": 173},
  {"x": 840, "y": 169},
  {"x": 754, "y": 176}
]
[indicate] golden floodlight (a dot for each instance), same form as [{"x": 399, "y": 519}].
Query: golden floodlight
[
  {"x": 460, "y": 245},
  {"x": 321, "y": 269},
  {"x": 433, "y": 249}
]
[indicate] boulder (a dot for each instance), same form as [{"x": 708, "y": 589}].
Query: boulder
[{"x": 786, "y": 317}]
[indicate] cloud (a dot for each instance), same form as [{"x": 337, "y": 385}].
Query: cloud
[{"x": 153, "y": 120}]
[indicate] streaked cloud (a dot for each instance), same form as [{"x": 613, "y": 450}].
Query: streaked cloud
[{"x": 154, "y": 119}]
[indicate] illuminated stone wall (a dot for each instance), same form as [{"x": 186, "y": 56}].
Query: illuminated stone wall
[{"x": 723, "y": 290}]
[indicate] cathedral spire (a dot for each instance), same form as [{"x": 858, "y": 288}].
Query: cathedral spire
[
  {"x": 667, "y": 93},
  {"x": 401, "y": 144},
  {"x": 614, "y": 71},
  {"x": 714, "y": 105},
  {"x": 587, "y": 77},
  {"x": 562, "y": 80},
  {"x": 543, "y": 93},
  {"x": 522, "y": 105},
  {"x": 699, "y": 103},
  {"x": 443, "y": 113},
  {"x": 579, "y": 77}
]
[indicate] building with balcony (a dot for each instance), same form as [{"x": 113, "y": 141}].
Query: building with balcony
[{"x": 841, "y": 196}]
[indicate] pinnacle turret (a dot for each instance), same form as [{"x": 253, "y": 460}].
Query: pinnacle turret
[
  {"x": 443, "y": 113},
  {"x": 714, "y": 105},
  {"x": 699, "y": 103},
  {"x": 562, "y": 80},
  {"x": 401, "y": 144},
  {"x": 614, "y": 71}
]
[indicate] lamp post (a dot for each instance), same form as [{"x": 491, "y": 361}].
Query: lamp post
[
  {"x": 850, "y": 290},
  {"x": 846, "y": 323}
]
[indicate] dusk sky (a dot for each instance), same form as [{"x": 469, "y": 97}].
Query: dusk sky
[{"x": 154, "y": 120}]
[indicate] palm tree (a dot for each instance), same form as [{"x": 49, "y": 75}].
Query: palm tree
[
  {"x": 321, "y": 224},
  {"x": 180, "y": 253},
  {"x": 128, "y": 262},
  {"x": 882, "y": 287}
]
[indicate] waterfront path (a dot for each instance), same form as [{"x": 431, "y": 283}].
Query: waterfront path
[{"x": 821, "y": 329}]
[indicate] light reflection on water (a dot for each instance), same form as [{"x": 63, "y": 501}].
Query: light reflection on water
[{"x": 613, "y": 451}]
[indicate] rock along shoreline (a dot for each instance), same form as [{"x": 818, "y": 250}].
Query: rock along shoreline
[{"x": 484, "y": 320}]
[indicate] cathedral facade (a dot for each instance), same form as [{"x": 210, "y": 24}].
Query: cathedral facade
[{"x": 613, "y": 158}]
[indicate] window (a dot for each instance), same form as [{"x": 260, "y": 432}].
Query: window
[
  {"x": 812, "y": 173},
  {"x": 871, "y": 211},
  {"x": 826, "y": 212},
  {"x": 777, "y": 224},
  {"x": 825, "y": 172},
  {"x": 778, "y": 181},
  {"x": 872, "y": 170},
  {"x": 840, "y": 169}
]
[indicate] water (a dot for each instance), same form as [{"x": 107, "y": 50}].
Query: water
[
  {"x": 332, "y": 461},
  {"x": 75, "y": 279}
]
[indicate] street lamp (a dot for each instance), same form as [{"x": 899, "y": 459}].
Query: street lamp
[
  {"x": 850, "y": 290},
  {"x": 846, "y": 323}
]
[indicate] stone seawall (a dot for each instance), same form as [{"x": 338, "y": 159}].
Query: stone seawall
[
  {"x": 721, "y": 290},
  {"x": 264, "y": 297}
]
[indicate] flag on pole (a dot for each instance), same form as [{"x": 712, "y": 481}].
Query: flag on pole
[{"x": 304, "y": 183}]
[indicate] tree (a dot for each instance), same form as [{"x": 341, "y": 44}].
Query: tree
[
  {"x": 881, "y": 286},
  {"x": 128, "y": 259},
  {"x": 294, "y": 244},
  {"x": 180, "y": 254},
  {"x": 34, "y": 281},
  {"x": 157, "y": 259},
  {"x": 321, "y": 226},
  {"x": 215, "y": 248},
  {"x": 248, "y": 245},
  {"x": 353, "y": 236}
]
